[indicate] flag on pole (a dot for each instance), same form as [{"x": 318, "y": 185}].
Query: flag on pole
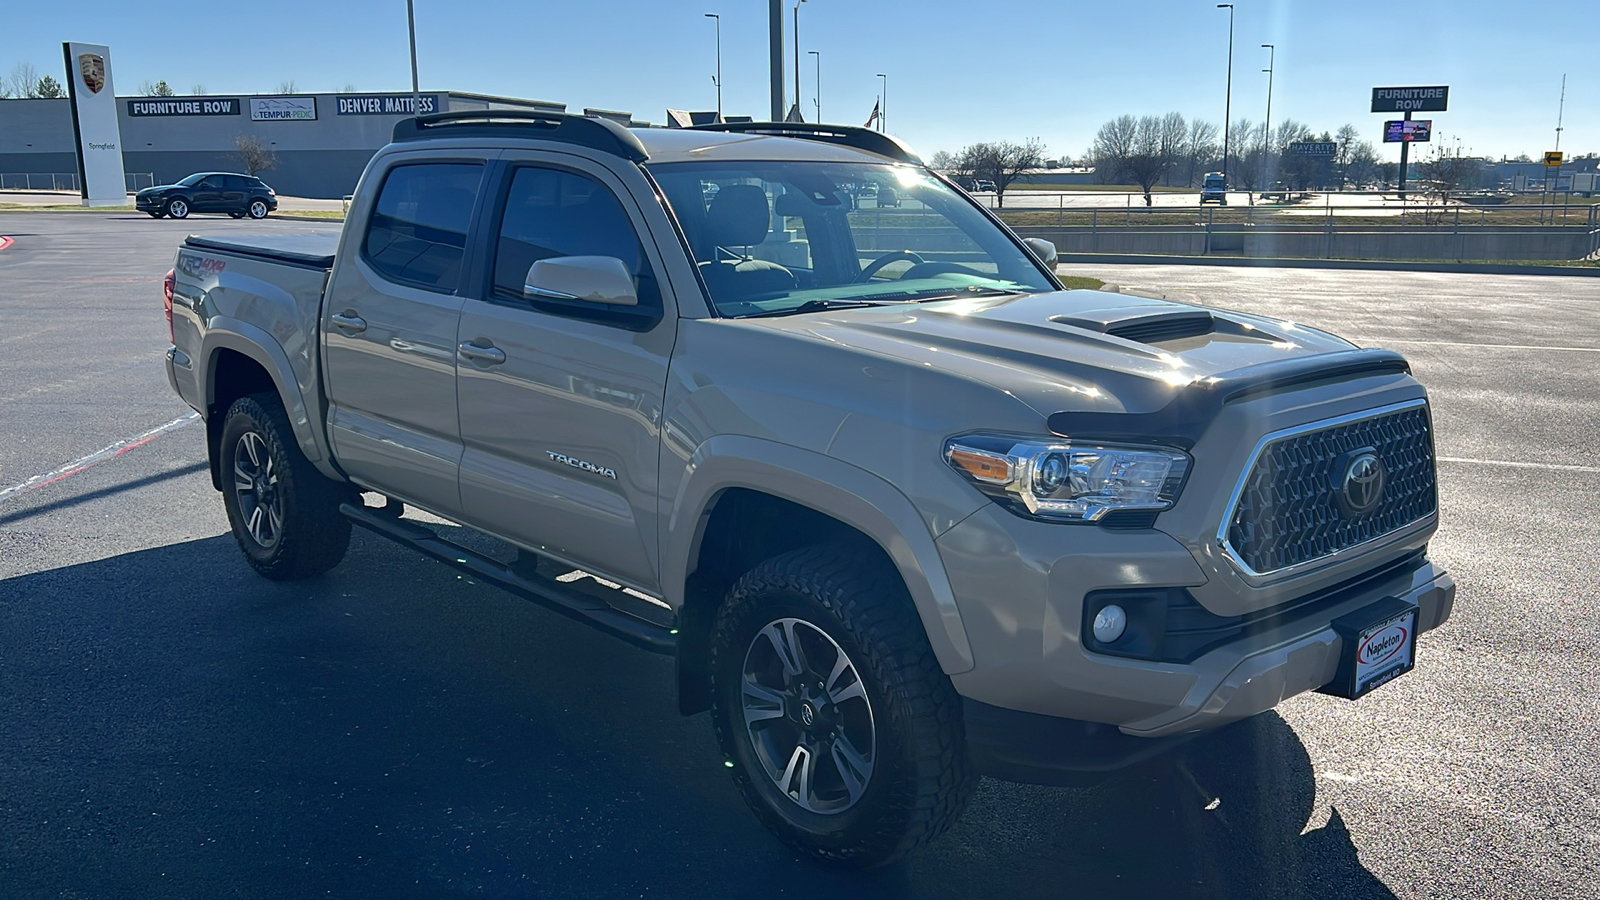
[{"x": 873, "y": 119}]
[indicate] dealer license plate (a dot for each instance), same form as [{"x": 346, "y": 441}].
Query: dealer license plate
[{"x": 1380, "y": 645}]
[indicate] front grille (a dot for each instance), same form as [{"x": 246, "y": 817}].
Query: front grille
[{"x": 1289, "y": 509}]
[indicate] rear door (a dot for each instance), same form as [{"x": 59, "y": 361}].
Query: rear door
[
  {"x": 389, "y": 330},
  {"x": 235, "y": 193},
  {"x": 561, "y": 399}
]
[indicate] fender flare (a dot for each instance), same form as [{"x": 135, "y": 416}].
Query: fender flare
[
  {"x": 224, "y": 333},
  {"x": 830, "y": 486}
]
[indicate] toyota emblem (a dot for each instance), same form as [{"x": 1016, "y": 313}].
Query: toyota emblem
[{"x": 1363, "y": 482}]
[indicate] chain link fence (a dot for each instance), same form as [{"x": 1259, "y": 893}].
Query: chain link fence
[{"x": 65, "y": 181}]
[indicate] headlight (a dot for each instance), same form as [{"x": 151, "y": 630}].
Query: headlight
[{"x": 1066, "y": 481}]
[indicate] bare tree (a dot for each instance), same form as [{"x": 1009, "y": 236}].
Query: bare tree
[
  {"x": 198, "y": 90},
  {"x": 49, "y": 89},
  {"x": 1445, "y": 168},
  {"x": 287, "y": 87},
  {"x": 1112, "y": 146},
  {"x": 1174, "y": 142},
  {"x": 1200, "y": 147},
  {"x": 23, "y": 82},
  {"x": 156, "y": 88},
  {"x": 941, "y": 160},
  {"x": 1001, "y": 162},
  {"x": 253, "y": 155}
]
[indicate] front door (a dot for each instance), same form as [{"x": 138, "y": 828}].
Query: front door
[
  {"x": 208, "y": 194},
  {"x": 389, "y": 330},
  {"x": 561, "y": 400}
]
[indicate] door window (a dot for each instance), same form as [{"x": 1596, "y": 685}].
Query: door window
[
  {"x": 418, "y": 230},
  {"x": 550, "y": 213}
]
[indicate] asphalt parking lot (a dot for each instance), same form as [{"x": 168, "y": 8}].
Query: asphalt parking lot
[{"x": 173, "y": 726}]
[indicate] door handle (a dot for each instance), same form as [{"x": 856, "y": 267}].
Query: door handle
[
  {"x": 492, "y": 356},
  {"x": 348, "y": 323}
]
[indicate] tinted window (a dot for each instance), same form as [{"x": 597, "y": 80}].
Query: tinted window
[
  {"x": 192, "y": 180},
  {"x": 238, "y": 183},
  {"x": 554, "y": 213},
  {"x": 418, "y": 232}
]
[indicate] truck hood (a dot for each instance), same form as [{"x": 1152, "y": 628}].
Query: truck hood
[{"x": 1089, "y": 351}]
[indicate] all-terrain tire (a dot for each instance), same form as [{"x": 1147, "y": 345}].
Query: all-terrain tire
[
  {"x": 920, "y": 779},
  {"x": 284, "y": 513}
]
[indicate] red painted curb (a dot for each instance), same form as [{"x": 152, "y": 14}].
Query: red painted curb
[{"x": 4, "y": 242}]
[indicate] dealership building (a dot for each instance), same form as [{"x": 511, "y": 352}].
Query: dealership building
[{"x": 321, "y": 141}]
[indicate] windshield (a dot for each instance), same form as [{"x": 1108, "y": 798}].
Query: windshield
[
  {"x": 772, "y": 238},
  {"x": 192, "y": 180}
]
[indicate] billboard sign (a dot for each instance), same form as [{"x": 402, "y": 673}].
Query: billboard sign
[
  {"x": 283, "y": 109},
  {"x": 385, "y": 105},
  {"x": 1410, "y": 99},
  {"x": 1314, "y": 148},
  {"x": 1407, "y": 131},
  {"x": 94, "y": 124},
  {"x": 199, "y": 106}
]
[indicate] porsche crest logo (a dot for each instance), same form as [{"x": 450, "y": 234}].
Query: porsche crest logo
[{"x": 93, "y": 68}]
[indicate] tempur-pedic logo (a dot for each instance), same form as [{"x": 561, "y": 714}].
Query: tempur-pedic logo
[{"x": 584, "y": 465}]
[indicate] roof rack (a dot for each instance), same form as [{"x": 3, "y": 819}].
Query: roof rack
[
  {"x": 848, "y": 135},
  {"x": 585, "y": 131}
]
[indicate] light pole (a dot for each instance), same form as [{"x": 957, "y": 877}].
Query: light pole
[
  {"x": 797, "y": 56},
  {"x": 1227, "y": 106},
  {"x": 883, "y": 104},
  {"x": 1266, "y": 133},
  {"x": 719, "y": 63},
  {"x": 817, "y": 99},
  {"x": 416, "y": 93}
]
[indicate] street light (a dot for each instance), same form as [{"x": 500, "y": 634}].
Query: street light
[
  {"x": 883, "y": 104},
  {"x": 818, "y": 98},
  {"x": 719, "y": 63},
  {"x": 797, "y": 56},
  {"x": 1266, "y": 133},
  {"x": 416, "y": 93},
  {"x": 1227, "y": 108}
]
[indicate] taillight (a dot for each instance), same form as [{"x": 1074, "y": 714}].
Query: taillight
[{"x": 166, "y": 295}]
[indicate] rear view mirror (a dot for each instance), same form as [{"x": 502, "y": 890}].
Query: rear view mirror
[
  {"x": 592, "y": 279},
  {"x": 1043, "y": 249}
]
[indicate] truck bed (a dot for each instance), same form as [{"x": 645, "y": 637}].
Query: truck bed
[{"x": 314, "y": 249}]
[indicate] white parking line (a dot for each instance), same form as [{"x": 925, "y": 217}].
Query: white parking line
[
  {"x": 1501, "y": 463},
  {"x": 78, "y": 465},
  {"x": 1491, "y": 346}
]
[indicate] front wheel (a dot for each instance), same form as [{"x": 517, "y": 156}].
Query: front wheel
[
  {"x": 844, "y": 735},
  {"x": 284, "y": 513},
  {"x": 178, "y": 208}
]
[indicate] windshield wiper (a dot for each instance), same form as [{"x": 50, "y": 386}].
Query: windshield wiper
[
  {"x": 813, "y": 306},
  {"x": 969, "y": 293}
]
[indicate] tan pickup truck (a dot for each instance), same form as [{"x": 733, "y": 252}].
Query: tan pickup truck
[{"x": 903, "y": 510}]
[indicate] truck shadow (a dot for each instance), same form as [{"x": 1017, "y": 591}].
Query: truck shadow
[{"x": 177, "y": 726}]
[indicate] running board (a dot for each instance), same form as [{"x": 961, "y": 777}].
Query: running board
[{"x": 569, "y": 603}]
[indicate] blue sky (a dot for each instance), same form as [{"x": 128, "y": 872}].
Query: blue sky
[{"x": 958, "y": 71}]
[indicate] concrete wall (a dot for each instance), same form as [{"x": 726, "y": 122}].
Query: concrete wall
[{"x": 1503, "y": 243}]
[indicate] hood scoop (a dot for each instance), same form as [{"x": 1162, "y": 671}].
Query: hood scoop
[{"x": 1148, "y": 327}]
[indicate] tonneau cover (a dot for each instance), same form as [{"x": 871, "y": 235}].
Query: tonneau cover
[{"x": 301, "y": 249}]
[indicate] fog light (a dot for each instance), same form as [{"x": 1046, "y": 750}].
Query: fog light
[{"x": 1109, "y": 623}]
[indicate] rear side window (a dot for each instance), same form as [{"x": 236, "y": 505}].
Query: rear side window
[
  {"x": 238, "y": 183},
  {"x": 418, "y": 232}
]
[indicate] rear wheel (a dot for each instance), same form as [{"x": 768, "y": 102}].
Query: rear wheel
[
  {"x": 285, "y": 514},
  {"x": 844, "y": 734},
  {"x": 178, "y": 208},
  {"x": 258, "y": 209}
]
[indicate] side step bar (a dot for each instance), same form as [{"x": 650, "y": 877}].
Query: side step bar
[{"x": 569, "y": 603}]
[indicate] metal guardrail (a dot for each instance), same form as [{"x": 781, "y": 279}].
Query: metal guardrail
[{"x": 66, "y": 181}]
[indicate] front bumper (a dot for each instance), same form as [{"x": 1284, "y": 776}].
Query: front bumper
[
  {"x": 144, "y": 204},
  {"x": 1022, "y": 598}
]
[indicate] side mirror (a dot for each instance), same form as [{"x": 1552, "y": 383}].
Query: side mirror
[
  {"x": 593, "y": 279},
  {"x": 1043, "y": 249}
]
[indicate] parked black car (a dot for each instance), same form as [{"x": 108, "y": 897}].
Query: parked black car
[{"x": 236, "y": 195}]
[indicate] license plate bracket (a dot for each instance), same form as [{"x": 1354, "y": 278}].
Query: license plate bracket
[{"x": 1379, "y": 645}]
